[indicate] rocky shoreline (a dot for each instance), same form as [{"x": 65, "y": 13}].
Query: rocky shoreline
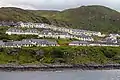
[{"x": 49, "y": 67}]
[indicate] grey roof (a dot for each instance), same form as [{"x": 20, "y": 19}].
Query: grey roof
[
  {"x": 46, "y": 32},
  {"x": 26, "y": 40},
  {"x": 9, "y": 44},
  {"x": 83, "y": 36},
  {"x": 110, "y": 40},
  {"x": 26, "y": 43},
  {"x": 38, "y": 40},
  {"x": 52, "y": 43},
  {"x": 2, "y": 43},
  {"x": 28, "y": 23},
  {"x": 118, "y": 40},
  {"x": 32, "y": 30},
  {"x": 14, "y": 30},
  {"x": 8, "y": 23},
  {"x": 42, "y": 42},
  {"x": 105, "y": 42},
  {"x": 79, "y": 42},
  {"x": 63, "y": 33}
]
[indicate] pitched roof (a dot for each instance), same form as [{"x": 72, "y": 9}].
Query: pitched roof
[
  {"x": 32, "y": 30},
  {"x": 79, "y": 42},
  {"x": 14, "y": 30}
]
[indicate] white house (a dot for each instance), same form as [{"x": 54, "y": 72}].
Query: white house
[
  {"x": 85, "y": 43},
  {"x": 84, "y": 38},
  {"x": 21, "y": 32},
  {"x": 78, "y": 43},
  {"x": 31, "y": 32},
  {"x": 11, "y": 31},
  {"x": 52, "y": 34}
]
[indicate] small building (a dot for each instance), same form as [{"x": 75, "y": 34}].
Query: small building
[
  {"x": 11, "y": 31},
  {"x": 79, "y": 43},
  {"x": 17, "y": 31},
  {"x": 31, "y": 32},
  {"x": 84, "y": 38},
  {"x": 47, "y": 33},
  {"x": 51, "y": 43},
  {"x": 40, "y": 42},
  {"x": 2, "y": 44},
  {"x": 111, "y": 40},
  {"x": 54, "y": 34}
]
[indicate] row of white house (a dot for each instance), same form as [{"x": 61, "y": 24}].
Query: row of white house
[
  {"x": 28, "y": 43},
  {"x": 56, "y": 34},
  {"x": 85, "y": 43},
  {"x": 51, "y": 34},
  {"x": 16, "y": 31},
  {"x": 62, "y": 29},
  {"x": 46, "y": 43},
  {"x": 48, "y": 34}
]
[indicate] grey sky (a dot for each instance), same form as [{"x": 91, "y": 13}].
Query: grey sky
[{"x": 57, "y": 4}]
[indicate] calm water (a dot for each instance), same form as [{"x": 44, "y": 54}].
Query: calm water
[{"x": 64, "y": 75}]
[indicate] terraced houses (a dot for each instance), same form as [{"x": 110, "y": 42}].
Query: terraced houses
[{"x": 51, "y": 31}]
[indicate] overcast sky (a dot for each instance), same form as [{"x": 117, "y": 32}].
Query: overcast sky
[{"x": 57, "y": 4}]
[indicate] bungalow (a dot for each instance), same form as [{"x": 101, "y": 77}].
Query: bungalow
[
  {"x": 27, "y": 25},
  {"x": 79, "y": 43},
  {"x": 111, "y": 39},
  {"x": 50, "y": 43},
  {"x": 16, "y": 31},
  {"x": 2, "y": 44},
  {"x": 84, "y": 43},
  {"x": 64, "y": 35},
  {"x": 40, "y": 42},
  {"x": 26, "y": 43},
  {"x": 52, "y": 34},
  {"x": 31, "y": 32},
  {"x": 94, "y": 33},
  {"x": 118, "y": 40},
  {"x": 8, "y": 23},
  {"x": 9, "y": 44},
  {"x": 46, "y": 33},
  {"x": 17, "y": 44},
  {"x": 114, "y": 35},
  {"x": 11, "y": 31},
  {"x": 39, "y": 25},
  {"x": 104, "y": 44},
  {"x": 32, "y": 25},
  {"x": 84, "y": 38}
]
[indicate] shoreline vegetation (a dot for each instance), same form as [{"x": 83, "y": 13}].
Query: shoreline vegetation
[{"x": 59, "y": 58}]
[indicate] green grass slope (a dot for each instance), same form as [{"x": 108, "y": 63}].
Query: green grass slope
[
  {"x": 45, "y": 13},
  {"x": 17, "y": 14},
  {"x": 95, "y": 17}
]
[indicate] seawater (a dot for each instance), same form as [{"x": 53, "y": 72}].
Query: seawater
[{"x": 62, "y": 75}]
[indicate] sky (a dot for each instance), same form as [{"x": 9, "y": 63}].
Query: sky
[{"x": 58, "y": 4}]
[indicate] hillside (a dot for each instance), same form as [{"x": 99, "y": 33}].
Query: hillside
[
  {"x": 95, "y": 17},
  {"x": 45, "y": 13},
  {"x": 17, "y": 14}
]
